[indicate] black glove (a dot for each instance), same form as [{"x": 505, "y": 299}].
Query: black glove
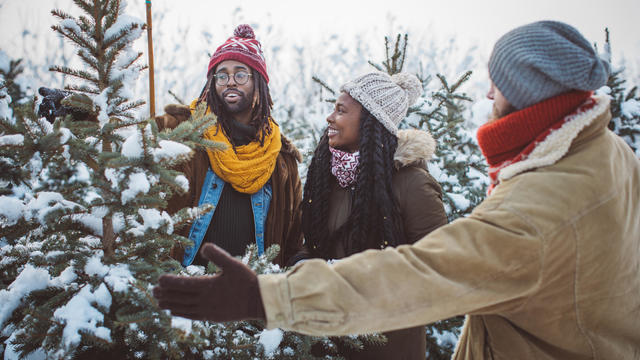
[
  {"x": 231, "y": 295},
  {"x": 50, "y": 107}
]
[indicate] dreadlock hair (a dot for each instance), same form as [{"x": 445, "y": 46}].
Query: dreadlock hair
[
  {"x": 375, "y": 220},
  {"x": 260, "y": 107}
]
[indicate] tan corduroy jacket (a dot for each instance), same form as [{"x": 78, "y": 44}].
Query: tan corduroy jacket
[{"x": 547, "y": 267}]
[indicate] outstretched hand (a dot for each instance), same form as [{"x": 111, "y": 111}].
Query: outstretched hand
[{"x": 230, "y": 295}]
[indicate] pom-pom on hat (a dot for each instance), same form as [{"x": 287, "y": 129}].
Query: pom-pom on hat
[
  {"x": 386, "y": 97},
  {"x": 537, "y": 61},
  {"x": 243, "y": 47}
]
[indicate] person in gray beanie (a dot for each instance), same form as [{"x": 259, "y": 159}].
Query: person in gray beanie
[{"x": 546, "y": 267}]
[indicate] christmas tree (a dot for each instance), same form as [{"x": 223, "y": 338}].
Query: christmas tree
[
  {"x": 10, "y": 71},
  {"x": 81, "y": 227},
  {"x": 625, "y": 104}
]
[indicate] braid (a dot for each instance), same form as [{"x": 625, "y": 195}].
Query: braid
[
  {"x": 260, "y": 112},
  {"x": 315, "y": 202},
  {"x": 375, "y": 220}
]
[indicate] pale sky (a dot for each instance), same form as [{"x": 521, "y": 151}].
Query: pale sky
[{"x": 471, "y": 22}]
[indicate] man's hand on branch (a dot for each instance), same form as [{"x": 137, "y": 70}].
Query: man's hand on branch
[
  {"x": 232, "y": 294},
  {"x": 50, "y": 107}
]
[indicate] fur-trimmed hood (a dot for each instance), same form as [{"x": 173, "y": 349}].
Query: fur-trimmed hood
[{"x": 415, "y": 147}]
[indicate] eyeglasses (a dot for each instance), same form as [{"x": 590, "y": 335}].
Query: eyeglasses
[{"x": 240, "y": 78}]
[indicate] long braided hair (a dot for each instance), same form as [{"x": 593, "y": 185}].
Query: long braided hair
[
  {"x": 260, "y": 112},
  {"x": 375, "y": 220}
]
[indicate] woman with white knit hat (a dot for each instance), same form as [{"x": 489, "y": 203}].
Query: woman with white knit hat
[{"x": 368, "y": 186}]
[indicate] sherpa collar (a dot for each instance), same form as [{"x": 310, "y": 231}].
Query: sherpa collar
[{"x": 554, "y": 144}]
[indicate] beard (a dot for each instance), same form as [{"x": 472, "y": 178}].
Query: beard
[
  {"x": 239, "y": 106},
  {"x": 498, "y": 113}
]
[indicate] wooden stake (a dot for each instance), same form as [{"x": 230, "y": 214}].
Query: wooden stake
[{"x": 152, "y": 93}]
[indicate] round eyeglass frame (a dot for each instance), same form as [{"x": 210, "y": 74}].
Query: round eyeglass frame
[{"x": 222, "y": 78}]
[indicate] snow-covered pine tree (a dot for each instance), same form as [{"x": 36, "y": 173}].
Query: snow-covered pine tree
[
  {"x": 625, "y": 104},
  {"x": 458, "y": 163},
  {"x": 82, "y": 233},
  {"x": 10, "y": 70}
]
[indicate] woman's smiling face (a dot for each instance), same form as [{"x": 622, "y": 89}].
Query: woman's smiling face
[{"x": 343, "y": 127}]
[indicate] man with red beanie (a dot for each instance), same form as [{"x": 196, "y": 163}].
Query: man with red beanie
[
  {"x": 546, "y": 267},
  {"x": 253, "y": 185}
]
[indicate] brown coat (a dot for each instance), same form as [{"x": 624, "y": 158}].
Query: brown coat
[
  {"x": 546, "y": 267},
  {"x": 283, "y": 225},
  {"x": 419, "y": 198}
]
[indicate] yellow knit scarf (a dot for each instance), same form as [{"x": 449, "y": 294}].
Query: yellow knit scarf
[{"x": 251, "y": 166}]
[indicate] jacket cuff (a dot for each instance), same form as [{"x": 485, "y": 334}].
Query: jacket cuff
[{"x": 274, "y": 289}]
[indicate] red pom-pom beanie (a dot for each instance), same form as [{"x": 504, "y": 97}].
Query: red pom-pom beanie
[{"x": 243, "y": 47}]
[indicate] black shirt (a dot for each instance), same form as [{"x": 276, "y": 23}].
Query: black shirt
[{"x": 232, "y": 226}]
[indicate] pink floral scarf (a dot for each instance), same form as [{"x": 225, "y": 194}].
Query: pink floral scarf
[{"x": 344, "y": 166}]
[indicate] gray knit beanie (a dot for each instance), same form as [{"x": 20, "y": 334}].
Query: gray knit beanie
[
  {"x": 386, "y": 97},
  {"x": 543, "y": 59}
]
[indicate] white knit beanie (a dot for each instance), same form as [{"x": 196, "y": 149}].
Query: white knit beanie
[{"x": 386, "y": 97}]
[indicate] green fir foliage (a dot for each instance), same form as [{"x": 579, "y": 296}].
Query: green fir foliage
[
  {"x": 625, "y": 105},
  {"x": 8, "y": 82},
  {"x": 459, "y": 165},
  {"x": 82, "y": 229}
]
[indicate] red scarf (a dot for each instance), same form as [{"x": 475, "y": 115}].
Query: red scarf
[
  {"x": 512, "y": 138},
  {"x": 344, "y": 166}
]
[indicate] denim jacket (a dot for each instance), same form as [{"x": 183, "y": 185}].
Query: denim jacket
[{"x": 211, "y": 191}]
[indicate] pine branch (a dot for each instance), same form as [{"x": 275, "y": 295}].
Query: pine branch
[
  {"x": 60, "y": 14},
  {"x": 71, "y": 35},
  {"x": 376, "y": 66},
  {"x": 82, "y": 89},
  {"x": 175, "y": 97},
  {"x": 111, "y": 18},
  {"x": 461, "y": 81},
  {"x": 386, "y": 63},
  {"x": 84, "y": 5},
  {"x": 86, "y": 25},
  {"x": 84, "y": 75},
  {"x": 133, "y": 61},
  {"x": 404, "y": 52},
  {"x": 129, "y": 106},
  {"x": 323, "y": 84}
]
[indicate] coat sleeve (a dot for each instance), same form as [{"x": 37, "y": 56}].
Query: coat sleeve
[
  {"x": 293, "y": 232},
  {"x": 420, "y": 201},
  {"x": 485, "y": 263},
  {"x": 174, "y": 115}
]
